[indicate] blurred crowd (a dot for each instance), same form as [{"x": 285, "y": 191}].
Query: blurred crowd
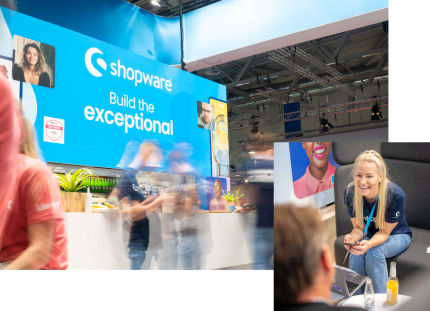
[{"x": 161, "y": 196}]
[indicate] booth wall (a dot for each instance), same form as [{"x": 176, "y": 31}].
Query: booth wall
[{"x": 99, "y": 241}]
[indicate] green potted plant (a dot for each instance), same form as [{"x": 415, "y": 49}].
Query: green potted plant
[
  {"x": 232, "y": 199},
  {"x": 71, "y": 199}
]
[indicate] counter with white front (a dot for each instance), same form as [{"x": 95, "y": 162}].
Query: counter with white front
[{"x": 99, "y": 240}]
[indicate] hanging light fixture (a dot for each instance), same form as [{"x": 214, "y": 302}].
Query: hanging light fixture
[{"x": 155, "y": 3}]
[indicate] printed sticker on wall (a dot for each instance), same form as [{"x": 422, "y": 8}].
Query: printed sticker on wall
[{"x": 53, "y": 130}]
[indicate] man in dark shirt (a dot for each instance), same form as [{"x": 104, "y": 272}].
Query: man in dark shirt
[{"x": 141, "y": 200}]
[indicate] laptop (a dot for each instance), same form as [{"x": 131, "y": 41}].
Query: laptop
[{"x": 346, "y": 283}]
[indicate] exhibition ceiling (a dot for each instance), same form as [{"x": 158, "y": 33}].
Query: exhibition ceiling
[
  {"x": 340, "y": 66},
  {"x": 322, "y": 70},
  {"x": 171, "y": 8}
]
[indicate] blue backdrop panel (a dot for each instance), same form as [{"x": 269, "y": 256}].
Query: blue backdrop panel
[
  {"x": 92, "y": 140},
  {"x": 211, "y": 30},
  {"x": 117, "y": 22}
]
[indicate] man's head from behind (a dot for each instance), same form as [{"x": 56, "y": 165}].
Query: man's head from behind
[{"x": 303, "y": 263}]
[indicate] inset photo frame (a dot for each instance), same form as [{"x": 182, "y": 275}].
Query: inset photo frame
[{"x": 33, "y": 62}]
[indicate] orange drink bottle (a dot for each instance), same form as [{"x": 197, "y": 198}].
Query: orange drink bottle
[{"x": 392, "y": 285}]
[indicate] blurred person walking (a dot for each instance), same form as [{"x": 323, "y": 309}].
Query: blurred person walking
[
  {"x": 259, "y": 188},
  {"x": 35, "y": 235},
  {"x": 141, "y": 201},
  {"x": 10, "y": 137},
  {"x": 181, "y": 247}
]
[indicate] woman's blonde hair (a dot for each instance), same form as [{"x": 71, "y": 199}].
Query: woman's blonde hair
[{"x": 373, "y": 157}]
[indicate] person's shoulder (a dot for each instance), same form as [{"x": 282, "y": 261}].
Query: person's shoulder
[
  {"x": 31, "y": 170},
  {"x": 395, "y": 191},
  {"x": 128, "y": 174},
  {"x": 17, "y": 72},
  {"x": 349, "y": 189},
  {"x": 44, "y": 79},
  {"x": 348, "y": 192},
  {"x": 17, "y": 67},
  {"x": 300, "y": 182},
  {"x": 31, "y": 165},
  {"x": 200, "y": 119}
]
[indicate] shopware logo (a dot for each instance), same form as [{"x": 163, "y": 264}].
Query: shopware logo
[
  {"x": 119, "y": 70},
  {"x": 88, "y": 55}
]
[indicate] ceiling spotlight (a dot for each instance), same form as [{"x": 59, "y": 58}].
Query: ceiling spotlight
[{"x": 155, "y": 2}]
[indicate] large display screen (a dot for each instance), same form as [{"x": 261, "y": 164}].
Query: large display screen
[{"x": 89, "y": 98}]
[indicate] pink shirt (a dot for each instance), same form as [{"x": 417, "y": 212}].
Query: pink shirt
[
  {"x": 308, "y": 185},
  {"x": 218, "y": 205},
  {"x": 37, "y": 199},
  {"x": 10, "y": 137}
]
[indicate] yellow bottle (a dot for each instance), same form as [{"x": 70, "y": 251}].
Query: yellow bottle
[{"x": 392, "y": 285}]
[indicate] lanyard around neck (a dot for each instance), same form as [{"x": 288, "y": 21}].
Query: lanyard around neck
[{"x": 370, "y": 217}]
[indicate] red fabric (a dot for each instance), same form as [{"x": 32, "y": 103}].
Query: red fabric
[
  {"x": 37, "y": 200},
  {"x": 10, "y": 133}
]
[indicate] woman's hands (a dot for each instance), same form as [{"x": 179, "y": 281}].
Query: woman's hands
[
  {"x": 350, "y": 238},
  {"x": 361, "y": 248}
]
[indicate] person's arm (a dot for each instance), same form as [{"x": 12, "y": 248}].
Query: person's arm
[
  {"x": 378, "y": 238},
  {"x": 141, "y": 210},
  {"x": 355, "y": 235},
  {"x": 113, "y": 197},
  {"x": 38, "y": 252}
]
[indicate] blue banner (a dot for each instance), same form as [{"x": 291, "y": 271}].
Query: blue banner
[
  {"x": 292, "y": 112},
  {"x": 101, "y": 97}
]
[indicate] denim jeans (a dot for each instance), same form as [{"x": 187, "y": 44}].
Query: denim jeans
[
  {"x": 180, "y": 251},
  {"x": 373, "y": 263},
  {"x": 263, "y": 248},
  {"x": 138, "y": 243}
]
